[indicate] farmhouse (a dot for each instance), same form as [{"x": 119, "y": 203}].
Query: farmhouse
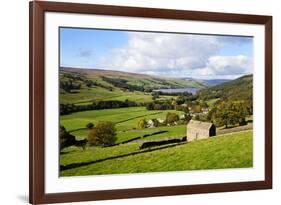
[
  {"x": 150, "y": 123},
  {"x": 197, "y": 130}
]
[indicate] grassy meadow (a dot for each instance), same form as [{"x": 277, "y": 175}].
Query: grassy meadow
[
  {"x": 225, "y": 151},
  {"x": 125, "y": 120}
]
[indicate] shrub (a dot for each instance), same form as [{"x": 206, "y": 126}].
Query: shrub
[
  {"x": 197, "y": 109},
  {"x": 104, "y": 134},
  {"x": 230, "y": 113},
  {"x": 90, "y": 125},
  {"x": 142, "y": 124},
  {"x": 157, "y": 107},
  {"x": 171, "y": 118},
  {"x": 201, "y": 117},
  {"x": 150, "y": 106},
  {"x": 66, "y": 139},
  {"x": 197, "y": 117}
]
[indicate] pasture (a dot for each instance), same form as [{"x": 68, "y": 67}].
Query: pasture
[
  {"x": 125, "y": 120},
  {"x": 229, "y": 151},
  {"x": 87, "y": 95},
  {"x": 83, "y": 87}
]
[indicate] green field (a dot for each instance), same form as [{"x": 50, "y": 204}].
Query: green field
[
  {"x": 79, "y": 87},
  {"x": 86, "y": 95},
  {"x": 229, "y": 151},
  {"x": 125, "y": 120}
]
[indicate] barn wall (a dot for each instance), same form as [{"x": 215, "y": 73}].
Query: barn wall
[{"x": 192, "y": 132}]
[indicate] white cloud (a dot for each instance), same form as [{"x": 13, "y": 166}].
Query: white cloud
[
  {"x": 175, "y": 55},
  {"x": 226, "y": 67},
  {"x": 156, "y": 52}
]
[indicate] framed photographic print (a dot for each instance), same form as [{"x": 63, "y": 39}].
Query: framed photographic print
[{"x": 139, "y": 102}]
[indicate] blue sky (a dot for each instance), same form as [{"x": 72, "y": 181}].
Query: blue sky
[
  {"x": 164, "y": 54},
  {"x": 94, "y": 43}
]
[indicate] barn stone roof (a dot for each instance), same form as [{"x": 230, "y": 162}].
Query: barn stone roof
[{"x": 199, "y": 125}]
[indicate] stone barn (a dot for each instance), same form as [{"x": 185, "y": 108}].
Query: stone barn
[{"x": 197, "y": 130}]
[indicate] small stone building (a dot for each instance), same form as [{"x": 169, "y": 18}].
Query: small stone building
[{"x": 197, "y": 130}]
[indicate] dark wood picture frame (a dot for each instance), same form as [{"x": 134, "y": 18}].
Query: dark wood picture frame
[{"x": 37, "y": 193}]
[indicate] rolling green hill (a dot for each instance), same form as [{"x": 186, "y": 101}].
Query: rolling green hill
[
  {"x": 90, "y": 86},
  {"x": 226, "y": 151},
  {"x": 238, "y": 89},
  {"x": 82, "y": 86},
  {"x": 134, "y": 79}
]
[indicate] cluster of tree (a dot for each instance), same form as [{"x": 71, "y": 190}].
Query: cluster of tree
[
  {"x": 159, "y": 105},
  {"x": 167, "y": 105},
  {"x": 104, "y": 134},
  {"x": 155, "y": 95},
  {"x": 238, "y": 89},
  {"x": 183, "y": 94},
  {"x": 181, "y": 98},
  {"x": 67, "y": 140},
  {"x": 73, "y": 81},
  {"x": 69, "y": 85},
  {"x": 184, "y": 99},
  {"x": 171, "y": 119},
  {"x": 96, "y": 105},
  {"x": 197, "y": 106},
  {"x": 182, "y": 108},
  {"x": 229, "y": 113},
  {"x": 122, "y": 83},
  {"x": 73, "y": 76},
  {"x": 201, "y": 117},
  {"x": 91, "y": 83}
]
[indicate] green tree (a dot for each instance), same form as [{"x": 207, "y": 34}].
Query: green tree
[
  {"x": 196, "y": 108},
  {"x": 180, "y": 100},
  {"x": 157, "y": 107},
  {"x": 230, "y": 113},
  {"x": 90, "y": 125},
  {"x": 185, "y": 109},
  {"x": 66, "y": 139},
  {"x": 104, "y": 134},
  {"x": 150, "y": 106},
  {"x": 203, "y": 104},
  {"x": 171, "y": 118},
  {"x": 142, "y": 124},
  {"x": 155, "y": 95}
]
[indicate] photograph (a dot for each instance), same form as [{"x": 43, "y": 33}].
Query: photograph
[{"x": 148, "y": 101}]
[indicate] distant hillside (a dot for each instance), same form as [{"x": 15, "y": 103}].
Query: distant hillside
[
  {"x": 83, "y": 86},
  {"x": 238, "y": 89},
  {"x": 208, "y": 83},
  {"x": 133, "y": 80},
  {"x": 213, "y": 82}
]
